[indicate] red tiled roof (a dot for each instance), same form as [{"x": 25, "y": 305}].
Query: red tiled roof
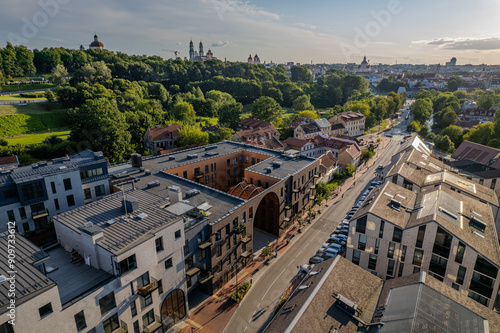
[
  {"x": 163, "y": 133},
  {"x": 253, "y": 123},
  {"x": 294, "y": 142},
  {"x": 328, "y": 160}
]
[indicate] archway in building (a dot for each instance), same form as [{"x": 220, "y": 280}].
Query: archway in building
[
  {"x": 267, "y": 215},
  {"x": 173, "y": 309}
]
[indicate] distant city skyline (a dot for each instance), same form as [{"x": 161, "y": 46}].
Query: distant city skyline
[{"x": 280, "y": 31}]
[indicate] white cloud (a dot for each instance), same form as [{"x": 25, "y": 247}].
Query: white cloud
[
  {"x": 305, "y": 26},
  {"x": 487, "y": 43},
  {"x": 220, "y": 43}
]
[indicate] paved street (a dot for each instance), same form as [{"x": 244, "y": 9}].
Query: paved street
[{"x": 254, "y": 313}]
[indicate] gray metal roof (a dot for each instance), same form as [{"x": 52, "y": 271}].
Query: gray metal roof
[
  {"x": 126, "y": 230},
  {"x": 418, "y": 308},
  {"x": 322, "y": 122},
  {"x": 29, "y": 281}
]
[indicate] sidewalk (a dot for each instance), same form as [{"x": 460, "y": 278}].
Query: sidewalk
[{"x": 214, "y": 314}]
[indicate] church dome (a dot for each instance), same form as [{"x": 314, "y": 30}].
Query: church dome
[{"x": 96, "y": 43}]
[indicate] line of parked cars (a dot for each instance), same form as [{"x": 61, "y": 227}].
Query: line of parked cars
[{"x": 335, "y": 244}]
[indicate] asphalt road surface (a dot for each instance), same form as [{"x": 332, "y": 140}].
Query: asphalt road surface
[{"x": 256, "y": 309}]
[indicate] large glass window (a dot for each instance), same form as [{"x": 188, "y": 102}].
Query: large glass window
[
  {"x": 390, "y": 250},
  {"x": 87, "y": 193},
  {"x": 377, "y": 245},
  {"x": 355, "y": 256},
  {"x": 111, "y": 324},
  {"x": 403, "y": 253},
  {"x": 397, "y": 234},
  {"x": 461, "y": 274},
  {"x": 173, "y": 308},
  {"x": 417, "y": 257},
  {"x": 442, "y": 244},
  {"x": 143, "y": 280},
  {"x": 32, "y": 191},
  {"x": 420, "y": 236},
  {"x": 107, "y": 303},
  {"x": 390, "y": 267},
  {"x": 159, "y": 244},
  {"x": 381, "y": 230},
  {"x": 45, "y": 310},
  {"x": 100, "y": 190},
  {"x": 67, "y": 184},
  {"x": 362, "y": 242},
  {"x": 361, "y": 225},
  {"x": 127, "y": 264},
  {"x": 438, "y": 265},
  {"x": 148, "y": 318},
  {"x": 71, "y": 200},
  {"x": 372, "y": 262},
  {"x": 459, "y": 257}
]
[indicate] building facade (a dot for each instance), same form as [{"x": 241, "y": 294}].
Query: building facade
[
  {"x": 354, "y": 122},
  {"x": 161, "y": 138}
]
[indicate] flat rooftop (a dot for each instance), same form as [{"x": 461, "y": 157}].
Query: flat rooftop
[
  {"x": 121, "y": 231},
  {"x": 30, "y": 282},
  {"x": 73, "y": 280}
]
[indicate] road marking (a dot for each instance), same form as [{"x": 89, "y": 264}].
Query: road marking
[
  {"x": 298, "y": 254},
  {"x": 245, "y": 329},
  {"x": 258, "y": 305},
  {"x": 264, "y": 297}
]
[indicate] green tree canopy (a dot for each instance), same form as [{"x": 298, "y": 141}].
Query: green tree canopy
[
  {"x": 183, "y": 111},
  {"x": 308, "y": 114},
  {"x": 189, "y": 135},
  {"x": 229, "y": 114},
  {"x": 266, "y": 108},
  {"x": 302, "y": 102}
]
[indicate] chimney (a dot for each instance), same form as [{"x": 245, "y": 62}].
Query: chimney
[
  {"x": 136, "y": 160},
  {"x": 131, "y": 204},
  {"x": 174, "y": 194}
]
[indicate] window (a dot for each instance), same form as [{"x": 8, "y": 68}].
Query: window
[
  {"x": 478, "y": 298},
  {"x": 460, "y": 252},
  {"x": 493, "y": 183},
  {"x": 250, "y": 212},
  {"x": 206, "y": 168},
  {"x": 417, "y": 257},
  {"x": 362, "y": 242},
  {"x": 159, "y": 244},
  {"x": 361, "y": 225},
  {"x": 377, "y": 244},
  {"x": 99, "y": 190},
  {"x": 400, "y": 270},
  {"x": 481, "y": 181},
  {"x": 442, "y": 243},
  {"x": 185, "y": 174},
  {"x": 32, "y": 191},
  {"x": 416, "y": 269},
  {"x": 390, "y": 267},
  {"x": 107, "y": 303},
  {"x": 168, "y": 263},
  {"x": 455, "y": 286},
  {"x": 228, "y": 230},
  {"x": 53, "y": 186},
  {"x": 136, "y": 327},
  {"x": 355, "y": 256},
  {"x": 396, "y": 236},
  {"x": 372, "y": 262},
  {"x": 206, "y": 179},
  {"x": 228, "y": 243},
  {"x": 133, "y": 308},
  {"x": 71, "y": 200},
  {"x": 10, "y": 216},
  {"x": 127, "y": 265},
  {"x": 202, "y": 254},
  {"x": 22, "y": 213},
  {"x": 80, "y": 321},
  {"x": 146, "y": 300},
  {"x": 148, "y": 318},
  {"x": 189, "y": 262},
  {"x": 87, "y": 193},
  {"x": 67, "y": 184},
  {"x": 461, "y": 274},
  {"x": 218, "y": 235},
  {"x": 438, "y": 266},
  {"x": 390, "y": 251},
  {"x": 111, "y": 324},
  {"x": 253, "y": 160},
  {"x": 177, "y": 234},
  {"x": 45, "y": 310},
  {"x": 420, "y": 236},
  {"x": 403, "y": 253},
  {"x": 219, "y": 250},
  {"x": 56, "y": 203},
  {"x": 381, "y": 231},
  {"x": 228, "y": 163},
  {"x": 91, "y": 173},
  {"x": 234, "y": 160},
  {"x": 143, "y": 280},
  {"x": 160, "y": 287}
]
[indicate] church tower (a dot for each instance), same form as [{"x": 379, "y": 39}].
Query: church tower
[
  {"x": 191, "y": 50},
  {"x": 201, "y": 50}
]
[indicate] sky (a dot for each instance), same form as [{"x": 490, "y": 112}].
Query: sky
[{"x": 317, "y": 31}]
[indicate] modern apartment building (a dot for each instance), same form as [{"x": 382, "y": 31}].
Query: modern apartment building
[
  {"x": 32, "y": 195},
  {"x": 119, "y": 268},
  {"x": 449, "y": 235}
]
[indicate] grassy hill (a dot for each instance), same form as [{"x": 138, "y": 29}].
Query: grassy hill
[{"x": 35, "y": 117}]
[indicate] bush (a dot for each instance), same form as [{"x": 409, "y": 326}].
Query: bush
[
  {"x": 238, "y": 295},
  {"x": 33, "y": 95}
]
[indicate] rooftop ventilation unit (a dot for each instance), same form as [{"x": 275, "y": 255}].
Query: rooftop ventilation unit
[
  {"x": 395, "y": 204},
  {"x": 210, "y": 148},
  {"x": 268, "y": 169},
  {"x": 131, "y": 204},
  {"x": 147, "y": 172},
  {"x": 154, "y": 183},
  {"x": 277, "y": 164},
  {"x": 2, "y": 278},
  {"x": 34, "y": 166},
  {"x": 212, "y": 153},
  {"x": 42, "y": 163},
  {"x": 192, "y": 156},
  {"x": 88, "y": 224},
  {"x": 192, "y": 193},
  {"x": 477, "y": 224},
  {"x": 346, "y": 304},
  {"x": 171, "y": 157},
  {"x": 63, "y": 167},
  {"x": 142, "y": 216},
  {"x": 136, "y": 160},
  {"x": 110, "y": 222}
]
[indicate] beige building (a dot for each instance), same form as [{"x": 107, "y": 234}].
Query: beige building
[
  {"x": 354, "y": 122},
  {"x": 398, "y": 232}
]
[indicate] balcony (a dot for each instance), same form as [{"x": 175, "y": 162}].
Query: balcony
[
  {"x": 149, "y": 288},
  {"x": 39, "y": 214},
  {"x": 198, "y": 175},
  {"x": 154, "y": 326},
  {"x": 245, "y": 239},
  {"x": 296, "y": 190},
  {"x": 239, "y": 229},
  {"x": 246, "y": 254},
  {"x": 206, "y": 278},
  {"x": 204, "y": 245},
  {"x": 193, "y": 271}
]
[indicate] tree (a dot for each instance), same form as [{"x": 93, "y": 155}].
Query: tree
[
  {"x": 300, "y": 73},
  {"x": 229, "y": 114},
  {"x": 189, "y": 135},
  {"x": 183, "y": 111},
  {"x": 308, "y": 114},
  {"x": 454, "y": 82},
  {"x": 422, "y": 109},
  {"x": 350, "y": 170},
  {"x": 444, "y": 144},
  {"x": 49, "y": 95},
  {"x": 455, "y": 133},
  {"x": 367, "y": 154},
  {"x": 482, "y": 134},
  {"x": 59, "y": 74},
  {"x": 266, "y": 108},
  {"x": 99, "y": 125},
  {"x": 302, "y": 103}
]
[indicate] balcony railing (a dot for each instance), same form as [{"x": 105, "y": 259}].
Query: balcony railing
[
  {"x": 154, "y": 326},
  {"x": 40, "y": 213},
  {"x": 246, "y": 238},
  {"x": 239, "y": 229},
  {"x": 122, "y": 329},
  {"x": 149, "y": 288}
]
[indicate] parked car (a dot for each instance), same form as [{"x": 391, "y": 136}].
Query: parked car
[
  {"x": 338, "y": 241},
  {"x": 333, "y": 251},
  {"x": 315, "y": 260},
  {"x": 371, "y": 188},
  {"x": 345, "y": 221},
  {"x": 344, "y": 237},
  {"x": 365, "y": 193},
  {"x": 329, "y": 255}
]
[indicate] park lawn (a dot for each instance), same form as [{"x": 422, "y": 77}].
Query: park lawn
[
  {"x": 17, "y": 97},
  {"x": 28, "y": 123},
  {"x": 31, "y": 108},
  {"x": 24, "y": 87},
  {"x": 207, "y": 121},
  {"x": 376, "y": 128},
  {"x": 38, "y": 137}
]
